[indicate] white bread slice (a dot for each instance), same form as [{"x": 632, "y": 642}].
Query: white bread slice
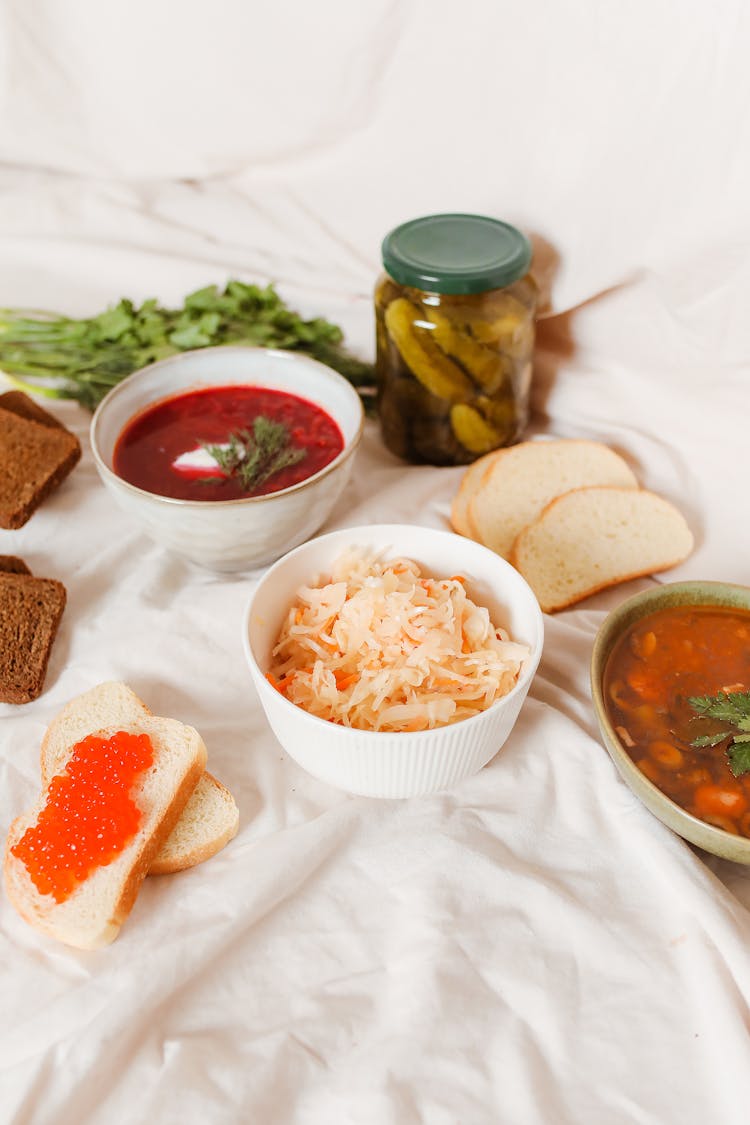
[
  {"x": 591, "y": 538},
  {"x": 92, "y": 915},
  {"x": 209, "y": 820},
  {"x": 470, "y": 482},
  {"x": 522, "y": 479}
]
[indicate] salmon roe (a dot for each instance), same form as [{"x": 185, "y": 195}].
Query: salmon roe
[{"x": 89, "y": 816}]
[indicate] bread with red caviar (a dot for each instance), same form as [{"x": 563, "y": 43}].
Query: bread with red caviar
[
  {"x": 209, "y": 820},
  {"x": 92, "y": 914}
]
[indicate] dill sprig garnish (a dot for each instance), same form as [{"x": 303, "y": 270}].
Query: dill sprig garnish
[{"x": 252, "y": 456}]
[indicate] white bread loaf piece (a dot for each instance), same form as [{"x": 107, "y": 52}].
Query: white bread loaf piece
[
  {"x": 522, "y": 479},
  {"x": 591, "y": 538},
  {"x": 470, "y": 482},
  {"x": 210, "y": 818},
  {"x": 93, "y": 914},
  {"x": 208, "y": 822}
]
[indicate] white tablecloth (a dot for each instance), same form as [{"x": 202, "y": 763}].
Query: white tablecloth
[{"x": 532, "y": 946}]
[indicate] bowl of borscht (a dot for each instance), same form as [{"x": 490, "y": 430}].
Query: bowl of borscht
[
  {"x": 670, "y": 681},
  {"x": 228, "y": 456}
]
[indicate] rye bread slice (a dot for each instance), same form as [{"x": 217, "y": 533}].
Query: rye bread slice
[
  {"x": 25, "y": 407},
  {"x": 30, "y": 612},
  {"x": 11, "y": 564},
  {"x": 35, "y": 457}
]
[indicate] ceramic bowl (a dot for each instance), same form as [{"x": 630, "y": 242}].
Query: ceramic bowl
[
  {"x": 697, "y": 831},
  {"x": 230, "y": 535},
  {"x": 384, "y": 764}
]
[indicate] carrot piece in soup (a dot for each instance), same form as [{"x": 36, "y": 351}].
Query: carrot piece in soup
[
  {"x": 644, "y": 684},
  {"x": 720, "y": 800}
]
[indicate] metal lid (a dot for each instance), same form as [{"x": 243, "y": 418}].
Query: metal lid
[{"x": 456, "y": 253}]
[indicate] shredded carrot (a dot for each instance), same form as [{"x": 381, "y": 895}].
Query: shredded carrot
[{"x": 343, "y": 682}]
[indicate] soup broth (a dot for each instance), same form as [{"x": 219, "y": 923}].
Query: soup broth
[
  {"x": 656, "y": 667},
  {"x": 155, "y": 448}
]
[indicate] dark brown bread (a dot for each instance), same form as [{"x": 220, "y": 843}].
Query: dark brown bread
[
  {"x": 30, "y": 612},
  {"x": 35, "y": 457},
  {"x": 25, "y": 407},
  {"x": 9, "y": 564}
]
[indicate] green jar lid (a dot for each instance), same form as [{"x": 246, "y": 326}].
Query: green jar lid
[{"x": 456, "y": 253}]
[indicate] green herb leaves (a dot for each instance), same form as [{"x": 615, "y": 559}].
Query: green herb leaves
[
  {"x": 83, "y": 359},
  {"x": 739, "y": 757},
  {"x": 733, "y": 710},
  {"x": 730, "y": 707},
  {"x": 254, "y": 455}
]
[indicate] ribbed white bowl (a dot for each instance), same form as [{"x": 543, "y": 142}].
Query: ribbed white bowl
[{"x": 378, "y": 764}]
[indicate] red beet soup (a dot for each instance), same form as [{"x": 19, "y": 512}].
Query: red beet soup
[{"x": 226, "y": 443}]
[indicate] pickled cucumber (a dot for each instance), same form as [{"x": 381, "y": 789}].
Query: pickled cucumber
[
  {"x": 500, "y": 321},
  {"x": 513, "y": 337},
  {"x": 422, "y": 356},
  {"x": 502, "y": 414},
  {"x": 484, "y": 365},
  {"x": 473, "y": 431}
]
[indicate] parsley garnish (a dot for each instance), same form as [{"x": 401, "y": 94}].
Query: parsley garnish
[
  {"x": 733, "y": 710},
  {"x": 252, "y": 456}
]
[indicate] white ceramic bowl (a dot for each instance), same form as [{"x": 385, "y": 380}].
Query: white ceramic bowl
[
  {"x": 384, "y": 764},
  {"x": 230, "y": 535}
]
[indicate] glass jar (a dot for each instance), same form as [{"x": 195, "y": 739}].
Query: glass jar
[{"x": 454, "y": 316}]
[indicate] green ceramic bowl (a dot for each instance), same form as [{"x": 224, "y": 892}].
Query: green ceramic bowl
[{"x": 684, "y": 823}]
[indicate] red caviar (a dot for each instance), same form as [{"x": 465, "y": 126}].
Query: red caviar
[{"x": 89, "y": 816}]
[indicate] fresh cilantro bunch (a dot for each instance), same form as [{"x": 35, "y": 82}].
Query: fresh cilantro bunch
[{"x": 64, "y": 357}]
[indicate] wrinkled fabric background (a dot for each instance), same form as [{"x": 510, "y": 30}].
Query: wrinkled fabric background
[{"x": 532, "y": 946}]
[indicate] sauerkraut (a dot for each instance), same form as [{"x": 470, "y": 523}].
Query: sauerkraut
[{"x": 379, "y": 646}]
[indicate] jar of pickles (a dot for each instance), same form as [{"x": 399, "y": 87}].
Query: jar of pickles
[{"x": 454, "y": 317}]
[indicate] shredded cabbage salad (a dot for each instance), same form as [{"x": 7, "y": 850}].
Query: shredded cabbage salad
[{"x": 379, "y": 646}]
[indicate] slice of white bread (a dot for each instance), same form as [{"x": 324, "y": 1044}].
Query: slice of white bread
[
  {"x": 520, "y": 480},
  {"x": 209, "y": 820},
  {"x": 470, "y": 482},
  {"x": 591, "y": 538},
  {"x": 92, "y": 915}
]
